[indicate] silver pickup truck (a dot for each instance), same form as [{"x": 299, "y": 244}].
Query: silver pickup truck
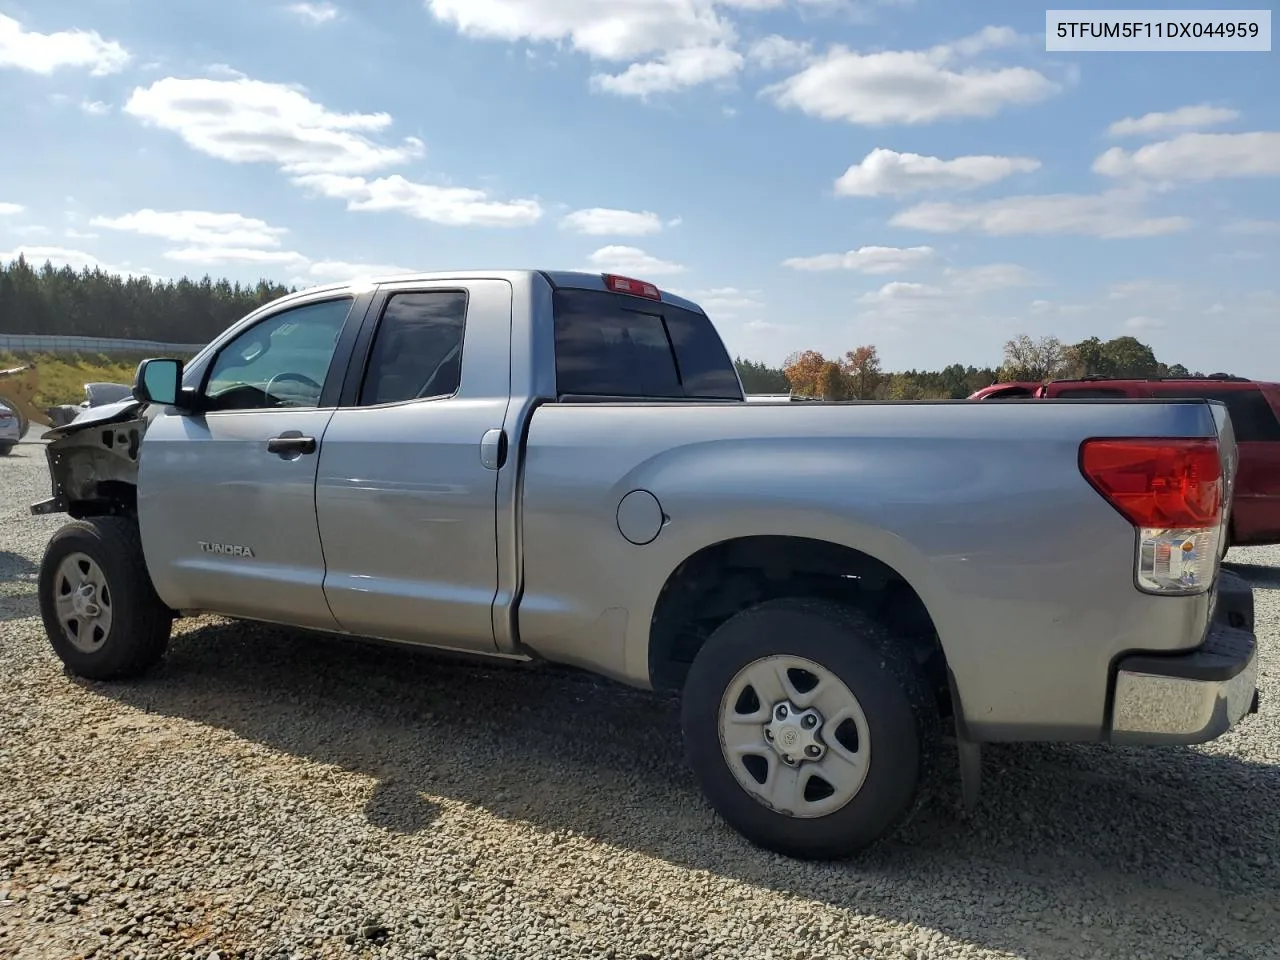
[{"x": 562, "y": 467}]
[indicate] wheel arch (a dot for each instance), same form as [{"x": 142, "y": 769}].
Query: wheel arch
[{"x": 722, "y": 578}]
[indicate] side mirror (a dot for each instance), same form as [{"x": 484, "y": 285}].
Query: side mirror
[{"x": 158, "y": 381}]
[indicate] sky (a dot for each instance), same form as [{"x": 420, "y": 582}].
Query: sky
[{"x": 920, "y": 175}]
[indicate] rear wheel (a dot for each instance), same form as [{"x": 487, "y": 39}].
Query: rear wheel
[
  {"x": 100, "y": 610},
  {"x": 6, "y": 448},
  {"x": 810, "y": 728}
]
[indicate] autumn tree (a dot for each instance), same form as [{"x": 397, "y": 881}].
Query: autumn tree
[
  {"x": 861, "y": 368},
  {"x": 1027, "y": 359},
  {"x": 832, "y": 384},
  {"x": 802, "y": 371}
]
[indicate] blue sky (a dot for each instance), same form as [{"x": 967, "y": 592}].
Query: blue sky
[{"x": 917, "y": 174}]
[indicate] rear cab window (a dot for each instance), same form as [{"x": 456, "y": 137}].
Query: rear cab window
[
  {"x": 1252, "y": 418},
  {"x": 614, "y": 345}
]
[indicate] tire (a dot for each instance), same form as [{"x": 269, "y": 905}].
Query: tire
[
  {"x": 6, "y": 448},
  {"x": 133, "y": 634},
  {"x": 898, "y": 729}
]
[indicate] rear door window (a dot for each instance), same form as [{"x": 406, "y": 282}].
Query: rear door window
[{"x": 417, "y": 351}]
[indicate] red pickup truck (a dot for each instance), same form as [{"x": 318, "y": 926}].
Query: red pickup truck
[{"x": 1254, "y": 408}]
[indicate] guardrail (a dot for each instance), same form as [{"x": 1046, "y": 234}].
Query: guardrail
[{"x": 35, "y": 343}]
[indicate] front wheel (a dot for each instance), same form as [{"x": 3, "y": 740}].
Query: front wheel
[
  {"x": 810, "y": 728},
  {"x": 100, "y": 610},
  {"x": 6, "y": 448}
]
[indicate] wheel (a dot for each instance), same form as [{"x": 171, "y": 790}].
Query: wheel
[
  {"x": 6, "y": 448},
  {"x": 100, "y": 610},
  {"x": 810, "y": 728}
]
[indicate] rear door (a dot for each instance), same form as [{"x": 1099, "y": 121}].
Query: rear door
[{"x": 407, "y": 484}]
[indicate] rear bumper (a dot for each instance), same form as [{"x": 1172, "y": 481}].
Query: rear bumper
[{"x": 1195, "y": 696}]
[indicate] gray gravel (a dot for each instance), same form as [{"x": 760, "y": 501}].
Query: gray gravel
[{"x": 274, "y": 794}]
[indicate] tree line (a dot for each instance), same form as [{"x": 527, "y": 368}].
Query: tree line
[
  {"x": 93, "y": 303},
  {"x": 858, "y": 374}
]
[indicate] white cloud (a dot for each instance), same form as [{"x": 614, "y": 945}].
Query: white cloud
[
  {"x": 606, "y": 221},
  {"x": 988, "y": 38},
  {"x": 1050, "y": 308},
  {"x": 775, "y": 51},
  {"x": 911, "y": 86},
  {"x": 95, "y": 108},
  {"x": 1113, "y": 214},
  {"x": 9, "y": 209},
  {"x": 72, "y": 234},
  {"x": 1252, "y": 227},
  {"x": 961, "y": 292},
  {"x": 448, "y": 206},
  {"x": 631, "y": 261},
  {"x": 342, "y": 271},
  {"x": 250, "y": 121},
  {"x": 873, "y": 260},
  {"x": 885, "y": 172},
  {"x": 616, "y": 31},
  {"x": 957, "y": 282},
  {"x": 668, "y": 44},
  {"x": 1184, "y": 118},
  {"x": 987, "y": 278},
  {"x": 1149, "y": 294},
  {"x": 44, "y": 53},
  {"x": 674, "y": 70},
  {"x": 901, "y": 290},
  {"x": 197, "y": 227},
  {"x": 724, "y": 303},
  {"x": 77, "y": 260},
  {"x": 29, "y": 230},
  {"x": 225, "y": 70},
  {"x": 1197, "y": 156},
  {"x": 1143, "y": 323},
  {"x": 314, "y": 13},
  {"x": 226, "y": 255}
]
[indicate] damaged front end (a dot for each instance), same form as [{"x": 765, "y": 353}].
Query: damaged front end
[{"x": 93, "y": 462}]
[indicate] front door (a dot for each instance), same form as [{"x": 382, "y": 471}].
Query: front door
[{"x": 226, "y": 496}]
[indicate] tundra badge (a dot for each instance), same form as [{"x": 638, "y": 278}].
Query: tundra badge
[{"x": 227, "y": 549}]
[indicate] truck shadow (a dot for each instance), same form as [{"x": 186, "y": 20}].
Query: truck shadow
[
  {"x": 1259, "y": 575},
  {"x": 1151, "y": 842},
  {"x": 17, "y": 587}
]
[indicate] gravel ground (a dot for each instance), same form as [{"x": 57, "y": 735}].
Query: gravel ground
[{"x": 271, "y": 794}]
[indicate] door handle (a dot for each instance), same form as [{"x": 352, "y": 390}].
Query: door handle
[
  {"x": 291, "y": 445},
  {"x": 493, "y": 449}
]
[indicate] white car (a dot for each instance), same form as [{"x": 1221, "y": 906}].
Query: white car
[{"x": 10, "y": 429}]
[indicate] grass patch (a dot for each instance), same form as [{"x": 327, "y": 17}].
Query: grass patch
[{"x": 63, "y": 376}]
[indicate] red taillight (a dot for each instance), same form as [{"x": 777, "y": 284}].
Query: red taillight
[
  {"x": 1158, "y": 483},
  {"x": 637, "y": 288}
]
